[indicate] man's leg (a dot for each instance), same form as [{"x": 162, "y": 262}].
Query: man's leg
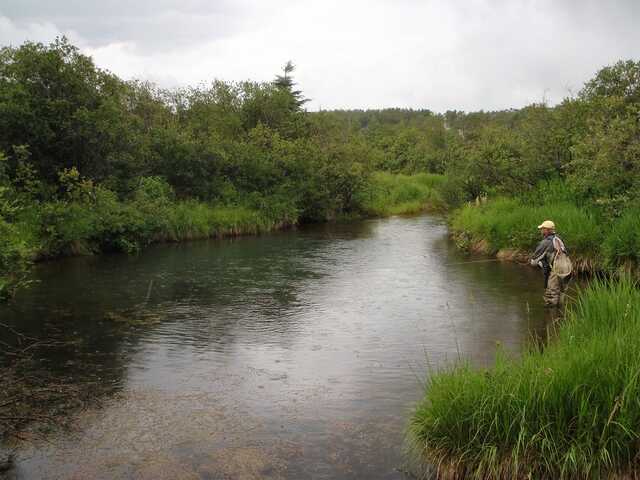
[
  {"x": 564, "y": 285},
  {"x": 553, "y": 291}
]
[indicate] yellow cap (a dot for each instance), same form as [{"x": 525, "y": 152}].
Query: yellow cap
[{"x": 547, "y": 224}]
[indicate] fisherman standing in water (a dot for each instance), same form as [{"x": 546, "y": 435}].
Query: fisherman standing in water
[{"x": 551, "y": 256}]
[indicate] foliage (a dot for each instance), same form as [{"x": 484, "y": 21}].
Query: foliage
[
  {"x": 569, "y": 410},
  {"x": 16, "y": 253},
  {"x": 389, "y": 194},
  {"x": 68, "y": 112},
  {"x": 510, "y": 223},
  {"x": 621, "y": 246},
  {"x": 94, "y": 163},
  {"x": 15, "y": 260}
]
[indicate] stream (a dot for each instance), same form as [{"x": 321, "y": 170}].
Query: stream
[{"x": 292, "y": 355}]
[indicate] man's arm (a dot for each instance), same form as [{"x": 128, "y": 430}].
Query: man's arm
[{"x": 539, "y": 252}]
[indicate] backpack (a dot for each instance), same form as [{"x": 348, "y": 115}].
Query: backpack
[{"x": 562, "y": 265}]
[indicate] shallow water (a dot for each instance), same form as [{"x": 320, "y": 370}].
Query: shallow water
[{"x": 292, "y": 355}]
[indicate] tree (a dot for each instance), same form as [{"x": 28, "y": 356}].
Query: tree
[
  {"x": 67, "y": 111},
  {"x": 620, "y": 80},
  {"x": 285, "y": 83},
  {"x": 605, "y": 162}
]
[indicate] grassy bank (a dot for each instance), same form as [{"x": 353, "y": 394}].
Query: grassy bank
[
  {"x": 397, "y": 194},
  {"x": 568, "y": 411},
  {"x": 509, "y": 225},
  {"x": 58, "y": 229}
]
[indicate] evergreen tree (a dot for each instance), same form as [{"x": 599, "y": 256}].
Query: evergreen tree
[{"x": 285, "y": 83}]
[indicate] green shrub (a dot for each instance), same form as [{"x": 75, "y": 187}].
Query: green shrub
[
  {"x": 66, "y": 228},
  {"x": 124, "y": 227},
  {"x": 153, "y": 191},
  {"x": 15, "y": 260}
]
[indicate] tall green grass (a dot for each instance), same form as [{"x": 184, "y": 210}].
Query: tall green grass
[
  {"x": 153, "y": 215},
  {"x": 76, "y": 228},
  {"x": 571, "y": 410},
  {"x": 621, "y": 246},
  {"x": 395, "y": 194},
  {"x": 194, "y": 220},
  {"x": 594, "y": 242},
  {"x": 510, "y": 223}
]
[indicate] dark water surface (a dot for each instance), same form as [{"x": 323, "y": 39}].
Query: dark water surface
[{"x": 287, "y": 356}]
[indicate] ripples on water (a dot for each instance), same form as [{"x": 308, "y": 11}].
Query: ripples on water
[{"x": 293, "y": 355}]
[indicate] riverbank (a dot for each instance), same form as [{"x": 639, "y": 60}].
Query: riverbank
[
  {"x": 506, "y": 228},
  {"x": 99, "y": 222},
  {"x": 568, "y": 410},
  {"x": 555, "y": 412}
]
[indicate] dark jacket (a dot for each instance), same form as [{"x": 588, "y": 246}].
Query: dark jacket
[{"x": 545, "y": 254}]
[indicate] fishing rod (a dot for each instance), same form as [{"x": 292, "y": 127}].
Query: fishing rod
[{"x": 474, "y": 261}]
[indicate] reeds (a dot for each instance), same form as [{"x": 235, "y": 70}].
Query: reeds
[
  {"x": 570, "y": 410},
  {"x": 193, "y": 220},
  {"x": 594, "y": 243},
  {"x": 509, "y": 223},
  {"x": 396, "y": 194}
]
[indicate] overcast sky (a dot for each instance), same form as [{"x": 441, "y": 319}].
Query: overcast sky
[{"x": 465, "y": 55}]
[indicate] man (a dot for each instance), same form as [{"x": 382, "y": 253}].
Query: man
[{"x": 544, "y": 256}]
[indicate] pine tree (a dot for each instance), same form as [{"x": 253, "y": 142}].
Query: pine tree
[{"x": 285, "y": 82}]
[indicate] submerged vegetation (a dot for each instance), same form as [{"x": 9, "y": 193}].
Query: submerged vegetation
[{"x": 569, "y": 410}]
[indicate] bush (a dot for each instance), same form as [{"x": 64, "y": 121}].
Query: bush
[
  {"x": 66, "y": 228},
  {"x": 547, "y": 192},
  {"x": 153, "y": 191},
  {"x": 15, "y": 260}
]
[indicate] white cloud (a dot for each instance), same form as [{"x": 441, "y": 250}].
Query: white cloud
[
  {"x": 12, "y": 33},
  {"x": 437, "y": 54}
]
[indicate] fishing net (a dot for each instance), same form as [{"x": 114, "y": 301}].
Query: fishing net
[{"x": 562, "y": 265}]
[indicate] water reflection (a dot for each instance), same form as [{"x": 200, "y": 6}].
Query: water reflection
[{"x": 292, "y": 355}]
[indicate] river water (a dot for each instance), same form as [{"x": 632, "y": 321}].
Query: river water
[{"x": 293, "y": 355}]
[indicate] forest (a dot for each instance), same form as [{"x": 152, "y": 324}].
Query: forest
[{"x": 92, "y": 163}]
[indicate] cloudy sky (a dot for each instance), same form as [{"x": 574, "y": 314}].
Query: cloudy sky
[{"x": 437, "y": 54}]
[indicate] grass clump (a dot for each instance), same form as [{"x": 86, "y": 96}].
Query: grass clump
[
  {"x": 395, "y": 194},
  {"x": 194, "y": 220},
  {"x": 571, "y": 410},
  {"x": 621, "y": 246},
  {"x": 509, "y": 223},
  {"x": 595, "y": 241}
]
